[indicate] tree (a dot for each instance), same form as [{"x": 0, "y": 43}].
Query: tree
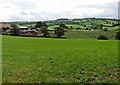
[
  {"x": 113, "y": 24},
  {"x": 101, "y": 26},
  {"x": 71, "y": 28},
  {"x": 59, "y": 31},
  {"x": 95, "y": 27},
  {"x": 105, "y": 29},
  {"x": 117, "y": 35},
  {"x": 42, "y": 27},
  {"x": 106, "y": 22},
  {"x": 63, "y": 25},
  {"x": 84, "y": 25},
  {"x": 14, "y": 30},
  {"x": 38, "y": 24},
  {"x": 102, "y": 37}
]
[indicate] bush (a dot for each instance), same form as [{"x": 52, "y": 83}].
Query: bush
[
  {"x": 117, "y": 36},
  {"x": 86, "y": 28},
  {"x": 102, "y": 37},
  {"x": 105, "y": 29},
  {"x": 4, "y": 33},
  {"x": 59, "y": 31}
]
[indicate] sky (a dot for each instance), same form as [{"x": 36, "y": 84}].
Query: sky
[{"x": 35, "y": 10}]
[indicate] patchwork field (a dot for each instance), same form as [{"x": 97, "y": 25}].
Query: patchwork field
[{"x": 47, "y": 60}]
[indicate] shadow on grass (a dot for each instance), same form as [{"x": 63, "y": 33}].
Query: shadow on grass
[{"x": 37, "y": 36}]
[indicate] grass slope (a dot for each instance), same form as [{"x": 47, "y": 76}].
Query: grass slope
[
  {"x": 86, "y": 34},
  {"x": 38, "y": 60}
]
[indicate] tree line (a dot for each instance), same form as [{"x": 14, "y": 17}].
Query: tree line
[
  {"x": 43, "y": 28},
  {"x": 58, "y": 31}
]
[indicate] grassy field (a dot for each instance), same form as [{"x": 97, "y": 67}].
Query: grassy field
[
  {"x": 75, "y": 26},
  {"x": 86, "y": 34},
  {"x": 52, "y": 27},
  {"x": 40, "y": 60}
]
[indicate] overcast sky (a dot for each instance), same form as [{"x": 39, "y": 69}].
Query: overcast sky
[{"x": 19, "y": 10}]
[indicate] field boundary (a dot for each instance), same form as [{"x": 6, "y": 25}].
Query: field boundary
[{"x": 0, "y": 59}]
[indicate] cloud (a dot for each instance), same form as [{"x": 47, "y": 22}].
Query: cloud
[
  {"x": 52, "y": 9},
  {"x": 119, "y": 10},
  {"x": 23, "y": 12}
]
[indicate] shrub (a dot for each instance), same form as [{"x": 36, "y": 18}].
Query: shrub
[
  {"x": 59, "y": 31},
  {"x": 86, "y": 29},
  {"x": 105, "y": 29},
  {"x": 102, "y": 37},
  {"x": 117, "y": 36}
]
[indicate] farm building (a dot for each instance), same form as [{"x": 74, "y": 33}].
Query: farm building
[
  {"x": 4, "y": 27},
  {"x": 24, "y": 30},
  {"x": 23, "y": 27}
]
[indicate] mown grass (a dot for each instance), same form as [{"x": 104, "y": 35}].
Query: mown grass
[{"x": 40, "y": 60}]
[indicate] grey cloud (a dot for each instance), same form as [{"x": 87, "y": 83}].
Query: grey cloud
[
  {"x": 23, "y": 12},
  {"x": 119, "y": 10},
  {"x": 5, "y": 7},
  {"x": 110, "y": 9},
  {"x": 43, "y": 15},
  {"x": 108, "y": 14},
  {"x": 101, "y": 5},
  {"x": 14, "y": 18},
  {"x": 26, "y": 4}
]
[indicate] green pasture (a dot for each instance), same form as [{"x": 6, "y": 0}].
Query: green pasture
[
  {"x": 75, "y": 26},
  {"x": 52, "y": 60},
  {"x": 89, "y": 34}
]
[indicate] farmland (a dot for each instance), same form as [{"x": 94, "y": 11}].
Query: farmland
[
  {"x": 52, "y": 60},
  {"x": 89, "y": 34}
]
